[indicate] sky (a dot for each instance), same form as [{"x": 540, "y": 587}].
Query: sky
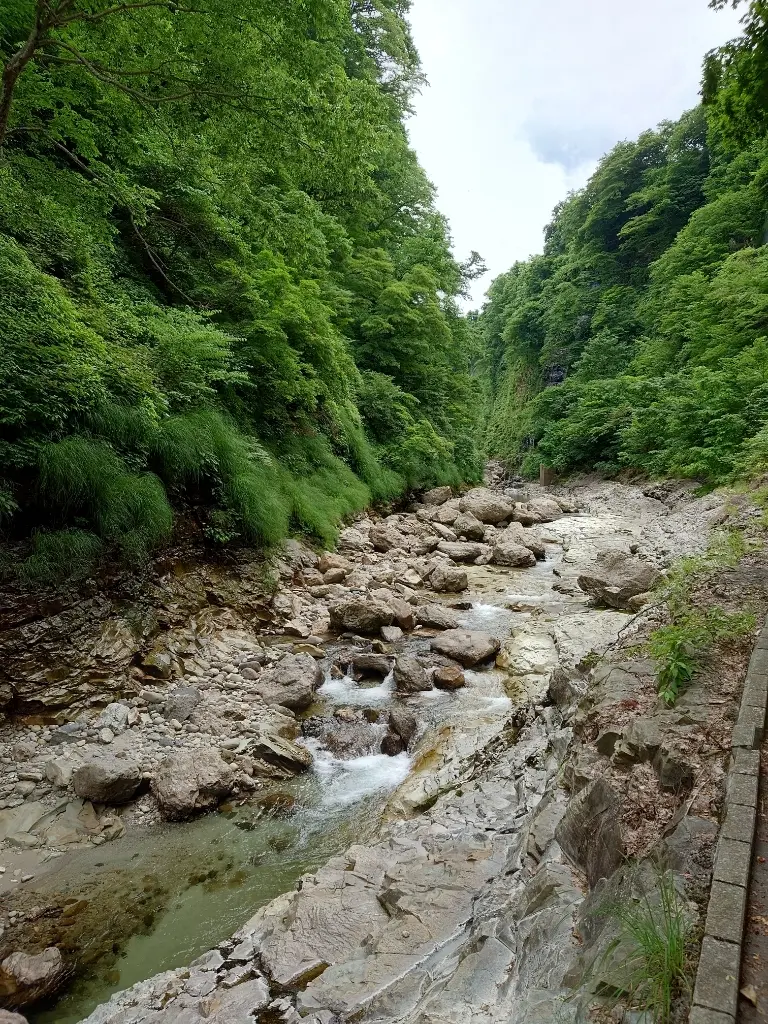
[{"x": 525, "y": 96}]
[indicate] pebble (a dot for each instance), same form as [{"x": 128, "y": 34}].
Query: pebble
[{"x": 106, "y": 735}]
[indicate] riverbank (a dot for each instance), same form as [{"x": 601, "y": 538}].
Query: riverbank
[{"x": 491, "y": 756}]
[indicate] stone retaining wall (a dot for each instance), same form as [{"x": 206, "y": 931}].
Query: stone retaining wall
[{"x": 715, "y": 997}]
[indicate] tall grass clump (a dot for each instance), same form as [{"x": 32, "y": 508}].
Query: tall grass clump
[
  {"x": 654, "y": 932},
  {"x": 81, "y": 478},
  {"x": 61, "y": 555}
]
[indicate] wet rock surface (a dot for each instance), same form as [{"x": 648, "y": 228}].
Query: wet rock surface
[{"x": 467, "y": 898}]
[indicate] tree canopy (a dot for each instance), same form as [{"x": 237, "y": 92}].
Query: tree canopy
[
  {"x": 224, "y": 285},
  {"x": 638, "y": 340}
]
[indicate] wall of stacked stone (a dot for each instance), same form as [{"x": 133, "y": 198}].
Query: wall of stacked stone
[{"x": 716, "y": 993}]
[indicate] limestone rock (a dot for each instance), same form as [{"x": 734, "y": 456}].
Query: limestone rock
[
  {"x": 467, "y": 647},
  {"x": 384, "y": 538},
  {"x": 469, "y": 526},
  {"x": 25, "y": 979},
  {"x": 436, "y": 616},
  {"x": 486, "y": 505},
  {"x": 182, "y": 702},
  {"x": 191, "y": 781},
  {"x": 360, "y": 615},
  {"x": 107, "y": 780},
  {"x": 410, "y": 675},
  {"x": 437, "y": 496},
  {"x": 589, "y": 832},
  {"x": 114, "y": 717},
  {"x": 507, "y": 552},
  {"x": 448, "y": 579},
  {"x": 329, "y": 560},
  {"x": 59, "y": 771},
  {"x": 353, "y": 540},
  {"x": 546, "y": 509},
  {"x": 291, "y": 683},
  {"x": 280, "y": 752},
  {"x": 462, "y": 551},
  {"x": 617, "y": 577}
]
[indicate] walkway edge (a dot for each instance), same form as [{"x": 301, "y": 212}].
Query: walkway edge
[{"x": 716, "y": 993}]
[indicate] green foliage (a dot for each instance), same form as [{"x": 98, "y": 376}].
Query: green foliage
[
  {"x": 223, "y": 281},
  {"x": 654, "y": 931},
  {"x": 638, "y": 340},
  {"x": 64, "y": 555},
  {"x": 679, "y": 647}
]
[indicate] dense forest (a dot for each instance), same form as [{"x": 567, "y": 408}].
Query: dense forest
[
  {"x": 638, "y": 340},
  {"x": 226, "y": 296}
]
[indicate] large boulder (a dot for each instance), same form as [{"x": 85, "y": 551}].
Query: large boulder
[
  {"x": 467, "y": 647},
  {"x": 403, "y": 723},
  {"x": 508, "y": 552},
  {"x": 437, "y": 496},
  {"x": 410, "y": 675},
  {"x": 467, "y": 525},
  {"x": 486, "y": 505},
  {"x": 448, "y": 579},
  {"x": 448, "y": 677},
  {"x": 190, "y": 781},
  {"x": 547, "y": 509},
  {"x": 107, "y": 780},
  {"x": 462, "y": 551},
  {"x": 280, "y": 752},
  {"x": 436, "y": 616},
  {"x": 526, "y": 538},
  {"x": 360, "y": 615},
  {"x": 384, "y": 537},
  {"x": 617, "y": 577},
  {"x": 25, "y": 979},
  {"x": 291, "y": 683}
]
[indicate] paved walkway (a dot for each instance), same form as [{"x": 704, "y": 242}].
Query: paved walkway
[{"x": 754, "y": 965}]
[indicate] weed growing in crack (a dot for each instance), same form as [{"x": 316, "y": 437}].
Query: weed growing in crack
[{"x": 654, "y": 931}]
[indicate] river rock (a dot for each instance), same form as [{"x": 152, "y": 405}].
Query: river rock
[
  {"x": 462, "y": 551},
  {"x": 291, "y": 683},
  {"x": 469, "y": 526},
  {"x": 158, "y": 662},
  {"x": 437, "y": 496},
  {"x": 191, "y": 781},
  {"x": 403, "y": 723},
  {"x": 590, "y": 831},
  {"x": 353, "y": 540},
  {"x": 182, "y": 702},
  {"x": 360, "y": 615},
  {"x": 448, "y": 579},
  {"x": 410, "y": 675},
  {"x": 114, "y": 717},
  {"x": 9, "y": 1017},
  {"x": 391, "y": 634},
  {"x": 616, "y": 577},
  {"x": 25, "y": 979},
  {"x": 107, "y": 780},
  {"x": 366, "y": 664},
  {"x": 486, "y": 505},
  {"x": 507, "y": 552},
  {"x": 436, "y": 616},
  {"x": 546, "y": 509},
  {"x": 280, "y": 752},
  {"x": 59, "y": 771},
  {"x": 527, "y": 538},
  {"x": 330, "y": 560},
  {"x": 467, "y": 647},
  {"x": 448, "y": 677}
]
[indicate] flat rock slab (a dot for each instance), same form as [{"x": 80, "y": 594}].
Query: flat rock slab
[{"x": 466, "y": 647}]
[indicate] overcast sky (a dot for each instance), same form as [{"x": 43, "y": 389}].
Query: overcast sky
[{"x": 524, "y": 96}]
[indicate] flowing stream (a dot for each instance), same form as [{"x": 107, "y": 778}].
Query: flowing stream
[{"x": 219, "y": 869}]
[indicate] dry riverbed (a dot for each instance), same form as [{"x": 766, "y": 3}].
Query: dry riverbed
[{"x": 401, "y": 724}]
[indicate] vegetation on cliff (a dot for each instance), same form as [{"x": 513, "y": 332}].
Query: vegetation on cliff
[
  {"x": 224, "y": 285},
  {"x": 639, "y": 338}
]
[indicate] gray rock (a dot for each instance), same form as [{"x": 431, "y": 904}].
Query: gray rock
[
  {"x": 159, "y": 663},
  {"x": 410, "y": 675},
  {"x": 107, "y": 780},
  {"x": 467, "y": 647},
  {"x": 281, "y": 752},
  {"x": 508, "y": 552},
  {"x": 448, "y": 579},
  {"x": 385, "y": 537},
  {"x": 9, "y": 1017},
  {"x": 449, "y": 677},
  {"x": 291, "y": 683},
  {"x": 360, "y": 615},
  {"x": 114, "y": 717},
  {"x": 437, "y": 616},
  {"x": 365, "y": 664},
  {"x": 25, "y": 979},
  {"x": 462, "y": 551},
  {"x": 437, "y": 496},
  {"x": 182, "y": 702},
  {"x": 403, "y": 723},
  {"x": 59, "y": 772},
  {"x": 330, "y": 560},
  {"x": 590, "y": 833},
  {"x": 617, "y": 577},
  {"x": 467, "y": 525},
  {"x": 191, "y": 781},
  {"x": 391, "y": 634},
  {"x": 236, "y": 1005},
  {"x": 486, "y": 505}
]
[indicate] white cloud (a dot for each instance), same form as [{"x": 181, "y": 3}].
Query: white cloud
[{"x": 526, "y": 95}]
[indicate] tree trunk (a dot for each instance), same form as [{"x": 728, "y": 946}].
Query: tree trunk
[{"x": 16, "y": 65}]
